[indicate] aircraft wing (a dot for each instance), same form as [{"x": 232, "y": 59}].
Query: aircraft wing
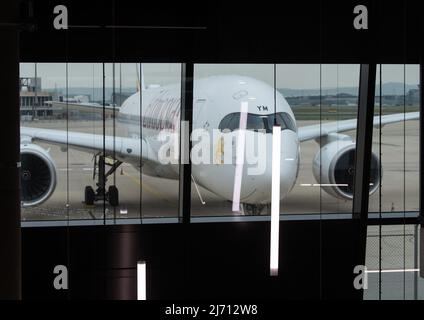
[
  {"x": 321, "y": 130},
  {"x": 124, "y": 147}
]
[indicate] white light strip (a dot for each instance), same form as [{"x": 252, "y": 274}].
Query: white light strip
[
  {"x": 393, "y": 270},
  {"x": 275, "y": 200},
  {"x": 324, "y": 185},
  {"x": 331, "y": 185},
  {"x": 141, "y": 280},
  {"x": 241, "y": 142}
]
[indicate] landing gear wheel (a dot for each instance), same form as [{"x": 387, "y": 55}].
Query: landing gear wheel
[
  {"x": 254, "y": 209},
  {"x": 113, "y": 196},
  {"x": 89, "y": 196},
  {"x": 250, "y": 209}
]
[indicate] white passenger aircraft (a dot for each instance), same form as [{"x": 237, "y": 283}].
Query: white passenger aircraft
[{"x": 217, "y": 101}]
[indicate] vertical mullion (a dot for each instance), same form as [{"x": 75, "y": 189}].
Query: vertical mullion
[
  {"x": 186, "y": 127},
  {"x": 364, "y": 134},
  {"x": 421, "y": 144},
  {"x": 140, "y": 80},
  {"x": 380, "y": 229},
  {"x": 102, "y": 163},
  {"x": 421, "y": 167}
]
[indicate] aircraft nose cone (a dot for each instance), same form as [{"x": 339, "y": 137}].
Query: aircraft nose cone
[
  {"x": 262, "y": 182},
  {"x": 254, "y": 187}
]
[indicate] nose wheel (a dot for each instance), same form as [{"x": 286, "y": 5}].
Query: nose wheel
[
  {"x": 110, "y": 195},
  {"x": 255, "y": 209}
]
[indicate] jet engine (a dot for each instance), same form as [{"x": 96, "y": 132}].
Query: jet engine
[
  {"x": 334, "y": 169},
  {"x": 38, "y": 175}
]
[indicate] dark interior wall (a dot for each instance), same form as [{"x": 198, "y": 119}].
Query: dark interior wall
[
  {"x": 224, "y": 31},
  {"x": 199, "y": 261},
  {"x": 10, "y": 254}
]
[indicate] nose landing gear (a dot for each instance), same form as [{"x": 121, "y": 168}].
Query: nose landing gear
[
  {"x": 112, "y": 193},
  {"x": 256, "y": 209}
]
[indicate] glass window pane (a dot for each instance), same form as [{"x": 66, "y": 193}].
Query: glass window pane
[
  {"x": 44, "y": 181},
  {"x": 160, "y": 132},
  {"x": 322, "y": 97},
  {"x": 393, "y": 251},
  {"x": 83, "y": 104},
  {"x": 109, "y": 121},
  {"x": 219, "y": 92},
  {"x": 396, "y": 144}
]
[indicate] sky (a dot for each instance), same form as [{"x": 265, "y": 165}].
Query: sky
[{"x": 293, "y": 76}]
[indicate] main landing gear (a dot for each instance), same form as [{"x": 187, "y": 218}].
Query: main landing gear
[{"x": 112, "y": 194}]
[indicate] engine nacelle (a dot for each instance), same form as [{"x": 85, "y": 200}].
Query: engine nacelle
[
  {"x": 336, "y": 160},
  {"x": 38, "y": 175}
]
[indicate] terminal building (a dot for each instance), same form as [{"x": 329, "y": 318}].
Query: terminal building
[{"x": 33, "y": 100}]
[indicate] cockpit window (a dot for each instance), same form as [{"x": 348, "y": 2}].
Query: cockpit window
[{"x": 258, "y": 122}]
